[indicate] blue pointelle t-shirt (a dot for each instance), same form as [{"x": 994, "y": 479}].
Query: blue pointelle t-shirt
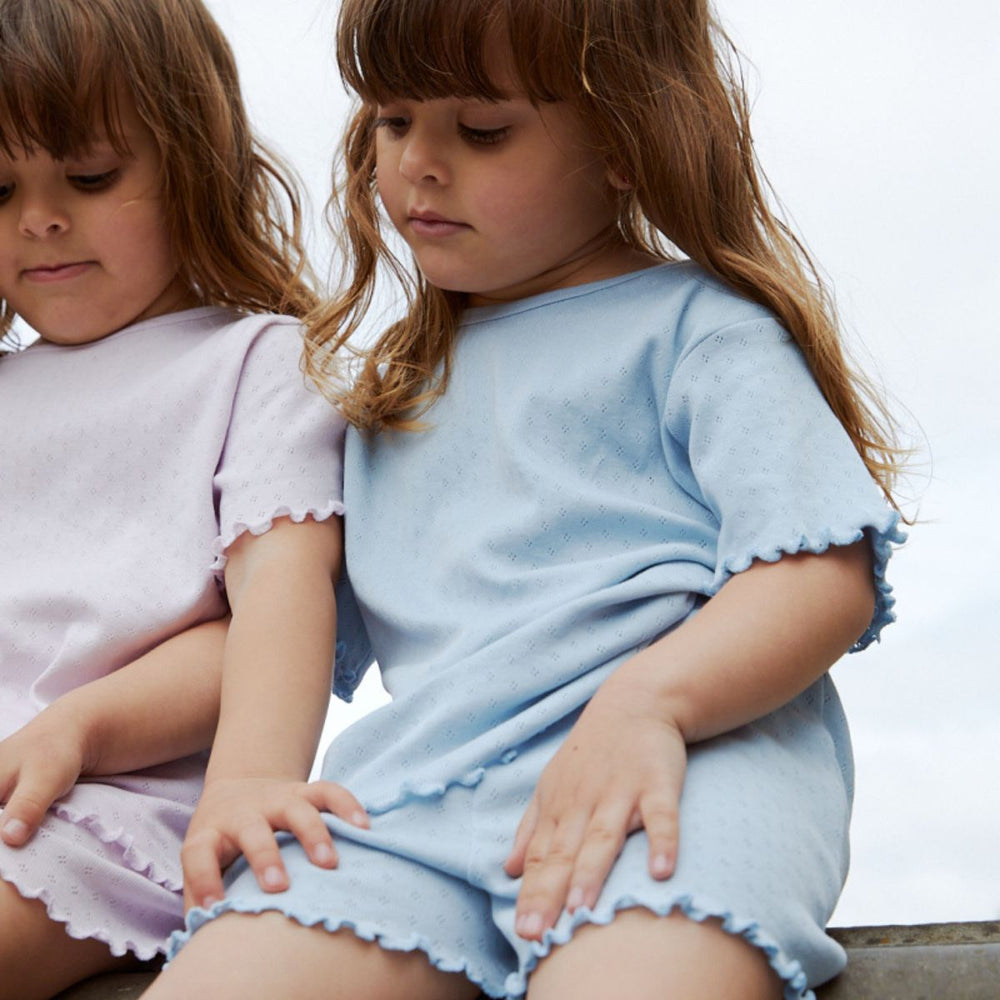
[{"x": 605, "y": 457}]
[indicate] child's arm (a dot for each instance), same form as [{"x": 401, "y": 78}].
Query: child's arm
[
  {"x": 161, "y": 706},
  {"x": 275, "y": 690},
  {"x": 763, "y": 639}
]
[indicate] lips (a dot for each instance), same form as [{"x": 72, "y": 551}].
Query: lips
[
  {"x": 47, "y": 273},
  {"x": 432, "y": 224}
]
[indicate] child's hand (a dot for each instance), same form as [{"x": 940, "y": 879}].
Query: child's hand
[
  {"x": 38, "y": 764},
  {"x": 240, "y": 816},
  {"x": 620, "y": 769}
]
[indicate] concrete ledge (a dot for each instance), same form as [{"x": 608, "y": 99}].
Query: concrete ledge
[
  {"x": 114, "y": 986},
  {"x": 922, "y": 962}
]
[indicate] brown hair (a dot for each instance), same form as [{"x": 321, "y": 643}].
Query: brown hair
[
  {"x": 653, "y": 81},
  {"x": 67, "y": 63}
]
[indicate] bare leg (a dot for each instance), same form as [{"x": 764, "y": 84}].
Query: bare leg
[
  {"x": 242, "y": 957},
  {"x": 37, "y": 957},
  {"x": 645, "y": 957}
]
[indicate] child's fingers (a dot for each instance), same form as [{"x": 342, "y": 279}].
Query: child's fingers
[
  {"x": 602, "y": 843},
  {"x": 549, "y": 861},
  {"x": 202, "y": 859},
  {"x": 20, "y": 819},
  {"x": 301, "y": 816},
  {"x": 328, "y": 796},
  {"x": 514, "y": 865},
  {"x": 258, "y": 843},
  {"x": 305, "y": 823},
  {"x": 29, "y": 800},
  {"x": 661, "y": 822},
  {"x": 303, "y": 819}
]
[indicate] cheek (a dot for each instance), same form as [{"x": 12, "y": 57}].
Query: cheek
[
  {"x": 386, "y": 168},
  {"x": 514, "y": 200},
  {"x": 143, "y": 242},
  {"x": 386, "y": 191}
]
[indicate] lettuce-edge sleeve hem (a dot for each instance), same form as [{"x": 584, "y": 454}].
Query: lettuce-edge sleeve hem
[
  {"x": 264, "y": 524},
  {"x": 883, "y": 534}
]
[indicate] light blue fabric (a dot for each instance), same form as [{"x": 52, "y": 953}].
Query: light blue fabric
[{"x": 604, "y": 458}]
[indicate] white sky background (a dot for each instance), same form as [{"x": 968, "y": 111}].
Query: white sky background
[{"x": 877, "y": 123}]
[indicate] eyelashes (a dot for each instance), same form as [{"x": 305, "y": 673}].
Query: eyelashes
[
  {"x": 484, "y": 136},
  {"x": 85, "y": 183},
  {"x": 95, "y": 182},
  {"x": 397, "y": 127}
]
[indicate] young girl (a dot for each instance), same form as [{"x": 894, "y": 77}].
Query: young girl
[
  {"x": 616, "y": 506},
  {"x": 158, "y": 441}
]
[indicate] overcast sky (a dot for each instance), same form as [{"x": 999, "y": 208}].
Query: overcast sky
[{"x": 876, "y": 121}]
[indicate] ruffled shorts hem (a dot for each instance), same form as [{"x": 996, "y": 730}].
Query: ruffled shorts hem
[
  {"x": 117, "y": 946},
  {"x": 97, "y": 883},
  {"x": 793, "y": 976},
  {"x": 790, "y": 971}
]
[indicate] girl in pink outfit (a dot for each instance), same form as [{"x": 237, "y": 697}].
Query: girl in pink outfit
[{"x": 162, "y": 463}]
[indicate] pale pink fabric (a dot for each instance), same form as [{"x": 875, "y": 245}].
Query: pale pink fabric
[{"x": 126, "y": 467}]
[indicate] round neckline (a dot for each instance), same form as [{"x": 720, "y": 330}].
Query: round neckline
[
  {"x": 480, "y": 314},
  {"x": 167, "y": 319}
]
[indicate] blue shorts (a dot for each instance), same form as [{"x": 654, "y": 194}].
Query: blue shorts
[{"x": 763, "y": 847}]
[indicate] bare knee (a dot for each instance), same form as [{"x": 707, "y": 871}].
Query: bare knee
[{"x": 645, "y": 957}]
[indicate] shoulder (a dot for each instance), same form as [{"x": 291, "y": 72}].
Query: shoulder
[
  {"x": 693, "y": 304},
  {"x": 679, "y": 309},
  {"x": 260, "y": 328},
  {"x": 235, "y": 340}
]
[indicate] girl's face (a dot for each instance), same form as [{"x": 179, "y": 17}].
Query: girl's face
[
  {"x": 499, "y": 200},
  {"x": 84, "y": 242}
]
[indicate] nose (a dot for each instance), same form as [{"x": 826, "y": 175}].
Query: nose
[
  {"x": 42, "y": 216},
  {"x": 424, "y": 158}
]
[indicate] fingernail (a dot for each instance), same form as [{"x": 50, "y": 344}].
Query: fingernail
[
  {"x": 360, "y": 819},
  {"x": 529, "y": 924},
  {"x": 575, "y": 899},
  {"x": 323, "y": 854},
  {"x": 661, "y": 866},
  {"x": 209, "y": 901},
  {"x": 16, "y": 829},
  {"x": 274, "y": 878}
]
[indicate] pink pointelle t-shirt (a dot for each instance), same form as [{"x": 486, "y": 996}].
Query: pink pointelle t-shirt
[{"x": 127, "y": 466}]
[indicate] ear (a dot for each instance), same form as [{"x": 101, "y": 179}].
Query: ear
[{"x": 619, "y": 180}]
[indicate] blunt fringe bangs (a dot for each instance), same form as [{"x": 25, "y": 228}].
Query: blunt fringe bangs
[
  {"x": 232, "y": 207},
  {"x": 56, "y": 82},
  {"x": 446, "y": 48}
]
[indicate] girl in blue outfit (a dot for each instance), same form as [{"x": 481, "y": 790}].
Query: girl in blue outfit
[{"x": 616, "y": 504}]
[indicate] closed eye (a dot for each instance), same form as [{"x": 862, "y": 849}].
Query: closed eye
[
  {"x": 483, "y": 136},
  {"x": 95, "y": 182},
  {"x": 395, "y": 126}
]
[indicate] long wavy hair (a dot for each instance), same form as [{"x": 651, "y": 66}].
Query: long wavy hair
[
  {"x": 658, "y": 86},
  {"x": 232, "y": 207}
]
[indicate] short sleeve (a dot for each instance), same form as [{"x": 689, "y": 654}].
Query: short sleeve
[
  {"x": 283, "y": 454},
  {"x": 769, "y": 459},
  {"x": 354, "y": 647}
]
